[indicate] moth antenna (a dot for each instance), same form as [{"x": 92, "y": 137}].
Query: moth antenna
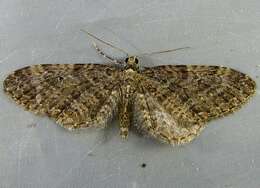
[
  {"x": 164, "y": 51},
  {"x": 104, "y": 42},
  {"x": 104, "y": 54}
]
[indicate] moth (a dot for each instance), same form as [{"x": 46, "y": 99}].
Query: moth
[{"x": 170, "y": 103}]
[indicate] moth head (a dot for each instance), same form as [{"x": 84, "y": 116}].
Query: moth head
[{"x": 132, "y": 62}]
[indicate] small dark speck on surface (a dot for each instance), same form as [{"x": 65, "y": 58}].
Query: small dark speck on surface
[{"x": 143, "y": 165}]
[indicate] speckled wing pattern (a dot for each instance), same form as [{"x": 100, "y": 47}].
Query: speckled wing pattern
[
  {"x": 174, "y": 102},
  {"x": 171, "y": 103},
  {"x": 74, "y": 95}
]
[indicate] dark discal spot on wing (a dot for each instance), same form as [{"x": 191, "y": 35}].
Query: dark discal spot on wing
[{"x": 72, "y": 94}]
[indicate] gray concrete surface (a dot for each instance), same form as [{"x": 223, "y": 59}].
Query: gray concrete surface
[{"x": 35, "y": 152}]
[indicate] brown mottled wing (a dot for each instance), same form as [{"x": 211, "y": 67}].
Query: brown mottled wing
[
  {"x": 74, "y": 95},
  {"x": 173, "y": 103}
]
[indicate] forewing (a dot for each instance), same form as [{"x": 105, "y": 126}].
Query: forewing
[
  {"x": 74, "y": 95},
  {"x": 175, "y": 102}
]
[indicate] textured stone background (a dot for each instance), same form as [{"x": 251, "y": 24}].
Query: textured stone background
[{"x": 35, "y": 152}]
